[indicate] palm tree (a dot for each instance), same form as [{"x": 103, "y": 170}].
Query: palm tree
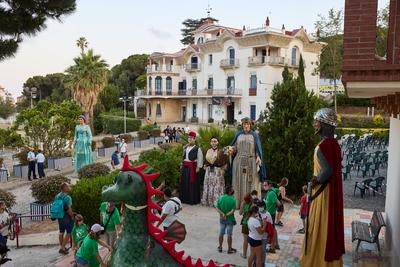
[
  {"x": 82, "y": 43},
  {"x": 86, "y": 79}
]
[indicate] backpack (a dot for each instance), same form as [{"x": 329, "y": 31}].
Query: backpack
[
  {"x": 57, "y": 208},
  {"x": 178, "y": 207}
]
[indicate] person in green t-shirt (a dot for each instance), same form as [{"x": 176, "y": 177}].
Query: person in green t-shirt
[
  {"x": 88, "y": 253},
  {"x": 79, "y": 232},
  {"x": 111, "y": 220},
  {"x": 226, "y": 206},
  {"x": 271, "y": 203}
]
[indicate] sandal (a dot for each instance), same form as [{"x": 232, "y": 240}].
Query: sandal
[
  {"x": 220, "y": 249},
  {"x": 232, "y": 250}
]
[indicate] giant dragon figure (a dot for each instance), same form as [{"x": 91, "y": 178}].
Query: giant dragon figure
[{"x": 141, "y": 243}]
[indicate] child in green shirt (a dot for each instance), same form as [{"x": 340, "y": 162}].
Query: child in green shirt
[{"x": 79, "y": 231}]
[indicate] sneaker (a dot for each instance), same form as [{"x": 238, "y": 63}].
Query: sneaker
[
  {"x": 279, "y": 224},
  {"x": 231, "y": 251},
  {"x": 301, "y": 231}
]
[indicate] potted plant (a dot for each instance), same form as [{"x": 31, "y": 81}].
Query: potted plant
[
  {"x": 108, "y": 146},
  {"x": 142, "y": 139},
  {"x": 21, "y": 169},
  {"x": 8, "y": 198},
  {"x": 44, "y": 190}
]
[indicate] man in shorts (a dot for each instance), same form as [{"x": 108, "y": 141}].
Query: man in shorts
[{"x": 66, "y": 223}]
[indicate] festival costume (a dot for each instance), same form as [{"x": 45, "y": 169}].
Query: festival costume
[
  {"x": 245, "y": 177},
  {"x": 83, "y": 146},
  {"x": 324, "y": 239},
  {"x": 190, "y": 180},
  {"x": 214, "y": 181}
]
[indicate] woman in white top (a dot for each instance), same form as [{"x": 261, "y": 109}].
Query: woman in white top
[{"x": 256, "y": 232}]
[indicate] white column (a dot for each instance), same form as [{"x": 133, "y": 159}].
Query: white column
[
  {"x": 368, "y": 111},
  {"x": 373, "y": 111}
]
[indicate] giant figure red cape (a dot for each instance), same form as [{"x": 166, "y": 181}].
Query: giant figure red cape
[{"x": 334, "y": 248}]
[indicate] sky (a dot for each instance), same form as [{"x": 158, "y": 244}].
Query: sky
[{"x": 117, "y": 29}]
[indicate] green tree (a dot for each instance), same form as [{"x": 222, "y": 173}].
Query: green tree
[
  {"x": 82, "y": 43},
  {"x": 125, "y": 74},
  {"x": 330, "y": 31},
  {"x": 50, "y": 87},
  {"x": 51, "y": 125},
  {"x": 141, "y": 81},
  {"x": 20, "y": 18},
  {"x": 10, "y": 138},
  {"x": 109, "y": 97},
  {"x": 86, "y": 79},
  {"x": 189, "y": 25},
  {"x": 287, "y": 134},
  {"x": 7, "y": 108},
  {"x": 382, "y": 31}
]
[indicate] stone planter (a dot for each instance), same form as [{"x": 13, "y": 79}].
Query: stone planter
[
  {"x": 105, "y": 152},
  {"x": 39, "y": 211},
  {"x": 156, "y": 140},
  {"x": 131, "y": 146},
  {"x": 142, "y": 143},
  {"x": 59, "y": 163},
  {"x": 21, "y": 171},
  {"x": 3, "y": 175}
]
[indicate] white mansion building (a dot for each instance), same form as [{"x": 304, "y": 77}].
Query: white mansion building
[{"x": 227, "y": 74}]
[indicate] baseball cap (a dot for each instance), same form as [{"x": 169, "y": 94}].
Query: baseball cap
[{"x": 96, "y": 228}]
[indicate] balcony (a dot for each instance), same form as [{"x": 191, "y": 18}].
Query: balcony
[
  {"x": 252, "y": 91},
  {"x": 275, "y": 60},
  {"x": 197, "y": 93},
  {"x": 230, "y": 63},
  {"x": 192, "y": 67},
  {"x": 257, "y": 61},
  {"x": 159, "y": 69}
]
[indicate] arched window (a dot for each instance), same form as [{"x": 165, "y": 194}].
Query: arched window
[
  {"x": 200, "y": 40},
  {"x": 294, "y": 56},
  {"x": 150, "y": 82},
  {"x": 158, "y": 85},
  {"x": 231, "y": 55},
  {"x": 168, "y": 85}
]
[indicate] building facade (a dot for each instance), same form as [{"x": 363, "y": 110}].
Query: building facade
[
  {"x": 227, "y": 74},
  {"x": 366, "y": 75}
]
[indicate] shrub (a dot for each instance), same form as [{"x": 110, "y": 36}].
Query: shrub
[
  {"x": 127, "y": 137},
  {"x": 148, "y": 127},
  {"x": 380, "y": 133},
  {"x": 167, "y": 162},
  {"x": 44, "y": 190},
  {"x": 378, "y": 120},
  {"x": 86, "y": 197},
  {"x": 108, "y": 141},
  {"x": 22, "y": 156},
  {"x": 210, "y": 120},
  {"x": 156, "y": 132},
  {"x": 358, "y": 121},
  {"x": 10, "y": 138},
  {"x": 93, "y": 170},
  {"x": 8, "y": 198},
  {"x": 343, "y": 100},
  {"x": 115, "y": 125},
  {"x": 120, "y": 113},
  {"x": 142, "y": 135}
]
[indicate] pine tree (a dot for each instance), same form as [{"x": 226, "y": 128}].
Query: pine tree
[
  {"x": 189, "y": 26},
  {"x": 19, "y": 18},
  {"x": 287, "y": 133}
]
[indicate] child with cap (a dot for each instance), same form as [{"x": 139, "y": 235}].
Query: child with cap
[{"x": 88, "y": 253}]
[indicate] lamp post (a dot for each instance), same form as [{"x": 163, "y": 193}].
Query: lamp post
[
  {"x": 33, "y": 91},
  {"x": 125, "y": 98}
]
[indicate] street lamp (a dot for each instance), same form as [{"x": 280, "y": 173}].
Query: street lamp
[
  {"x": 33, "y": 91},
  {"x": 125, "y": 98}
]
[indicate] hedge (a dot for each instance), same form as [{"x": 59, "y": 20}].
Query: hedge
[
  {"x": 45, "y": 189},
  {"x": 108, "y": 141},
  {"x": 351, "y": 121},
  {"x": 93, "y": 170},
  {"x": 115, "y": 125},
  {"x": 376, "y": 132},
  {"x": 86, "y": 197}
]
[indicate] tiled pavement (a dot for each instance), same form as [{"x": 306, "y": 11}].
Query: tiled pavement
[{"x": 291, "y": 242}]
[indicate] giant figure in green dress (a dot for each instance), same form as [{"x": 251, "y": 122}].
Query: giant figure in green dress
[{"x": 82, "y": 144}]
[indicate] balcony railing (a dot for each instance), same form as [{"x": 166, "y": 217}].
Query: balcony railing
[
  {"x": 192, "y": 67},
  {"x": 252, "y": 91},
  {"x": 159, "y": 68},
  {"x": 258, "y": 60},
  {"x": 276, "y": 60},
  {"x": 193, "y": 92},
  {"x": 229, "y": 63}
]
